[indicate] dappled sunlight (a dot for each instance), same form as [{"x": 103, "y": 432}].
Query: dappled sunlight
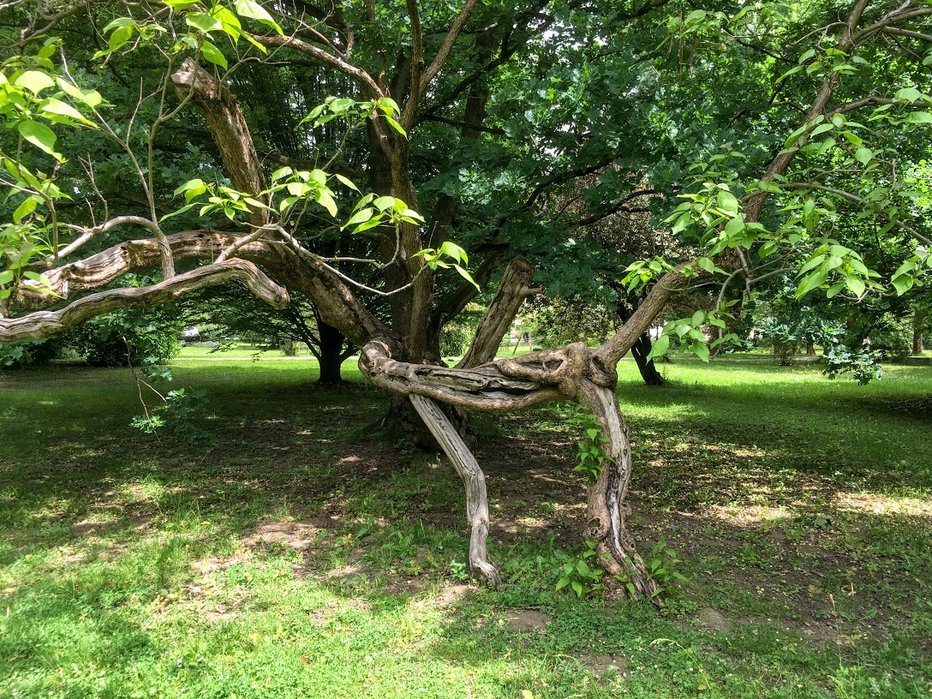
[
  {"x": 750, "y": 516},
  {"x": 284, "y": 534},
  {"x": 878, "y": 504}
]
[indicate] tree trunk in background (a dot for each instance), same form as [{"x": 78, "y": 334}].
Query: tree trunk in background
[
  {"x": 810, "y": 347},
  {"x": 640, "y": 350},
  {"x": 331, "y": 353},
  {"x": 919, "y": 318},
  {"x": 641, "y": 347}
]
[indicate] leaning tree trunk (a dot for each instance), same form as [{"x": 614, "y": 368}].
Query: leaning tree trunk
[
  {"x": 640, "y": 350},
  {"x": 477, "y": 501}
]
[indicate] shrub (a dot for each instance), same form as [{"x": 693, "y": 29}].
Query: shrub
[
  {"x": 138, "y": 337},
  {"x": 892, "y": 337}
]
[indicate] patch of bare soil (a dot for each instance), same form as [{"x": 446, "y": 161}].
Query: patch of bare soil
[
  {"x": 89, "y": 526},
  {"x": 297, "y": 536},
  {"x": 452, "y": 594},
  {"x": 600, "y": 664},
  {"x": 528, "y": 620},
  {"x": 206, "y": 566},
  {"x": 713, "y": 620}
]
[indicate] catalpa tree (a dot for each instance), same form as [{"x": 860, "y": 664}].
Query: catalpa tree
[{"x": 440, "y": 149}]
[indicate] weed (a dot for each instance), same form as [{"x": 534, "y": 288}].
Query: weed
[
  {"x": 580, "y": 573},
  {"x": 592, "y": 452}
]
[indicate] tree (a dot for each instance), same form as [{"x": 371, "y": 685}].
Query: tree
[
  {"x": 234, "y": 312},
  {"x": 774, "y": 125}
]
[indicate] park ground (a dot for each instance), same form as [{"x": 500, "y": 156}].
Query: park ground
[{"x": 277, "y": 549}]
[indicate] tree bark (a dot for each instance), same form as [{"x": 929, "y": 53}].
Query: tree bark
[
  {"x": 331, "y": 353},
  {"x": 477, "y": 501},
  {"x": 919, "y": 318},
  {"x": 606, "y": 503},
  {"x": 514, "y": 288},
  {"x": 640, "y": 351}
]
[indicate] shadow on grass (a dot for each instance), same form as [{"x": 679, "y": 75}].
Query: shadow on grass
[{"x": 778, "y": 511}]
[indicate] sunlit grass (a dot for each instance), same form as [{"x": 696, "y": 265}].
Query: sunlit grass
[{"x": 280, "y": 553}]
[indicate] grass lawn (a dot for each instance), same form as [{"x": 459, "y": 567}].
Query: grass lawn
[{"x": 281, "y": 551}]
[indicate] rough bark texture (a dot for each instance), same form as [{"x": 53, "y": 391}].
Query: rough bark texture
[
  {"x": 607, "y": 508},
  {"x": 514, "y": 288},
  {"x": 477, "y": 501},
  {"x": 331, "y": 353},
  {"x": 43, "y": 324},
  {"x": 640, "y": 350},
  {"x": 228, "y": 125}
]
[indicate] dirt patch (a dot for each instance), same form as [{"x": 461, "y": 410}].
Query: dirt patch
[
  {"x": 206, "y": 566},
  {"x": 713, "y": 620},
  {"x": 89, "y": 526},
  {"x": 297, "y": 536},
  {"x": 528, "y": 620},
  {"x": 452, "y": 594},
  {"x": 601, "y": 663}
]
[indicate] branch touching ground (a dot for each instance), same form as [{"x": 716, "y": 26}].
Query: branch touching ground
[
  {"x": 477, "y": 501},
  {"x": 607, "y": 509}
]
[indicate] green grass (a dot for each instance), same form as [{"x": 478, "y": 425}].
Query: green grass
[{"x": 281, "y": 551}]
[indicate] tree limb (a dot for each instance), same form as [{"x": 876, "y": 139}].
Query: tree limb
[{"x": 43, "y": 324}]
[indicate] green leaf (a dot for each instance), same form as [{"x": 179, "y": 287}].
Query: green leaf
[
  {"x": 701, "y": 350},
  {"x": 577, "y": 587},
  {"x": 810, "y": 282},
  {"x": 191, "y": 189},
  {"x": 24, "y": 209},
  {"x": 395, "y": 125},
  {"x": 902, "y": 283},
  {"x": 467, "y": 276},
  {"x": 727, "y": 202},
  {"x": 918, "y": 118},
  {"x": 734, "y": 226},
  {"x": 213, "y": 54},
  {"x": 659, "y": 347},
  {"x": 35, "y": 81},
  {"x": 863, "y": 155},
  {"x": 347, "y": 182},
  {"x": 383, "y": 203},
  {"x": 910, "y": 94},
  {"x": 697, "y": 318},
  {"x": 360, "y": 217},
  {"x": 119, "y": 23},
  {"x": 57, "y": 108},
  {"x": 855, "y": 285},
  {"x": 451, "y": 249},
  {"x": 203, "y": 22},
  {"x": 91, "y": 98},
  {"x": 325, "y": 199},
  {"x": 119, "y": 38},
  {"x": 253, "y": 10},
  {"x": 40, "y": 136}
]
